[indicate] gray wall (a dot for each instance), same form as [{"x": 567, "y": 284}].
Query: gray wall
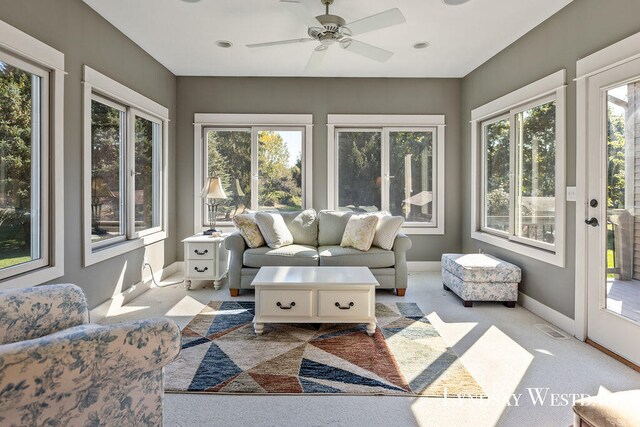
[
  {"x": 581, "y": 28},
  {"x": 322, "y": 96},
  {"x": 85, "y": 37}
]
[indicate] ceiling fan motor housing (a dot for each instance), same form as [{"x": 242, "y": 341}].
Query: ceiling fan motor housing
[{"x": 334, "y": 28}]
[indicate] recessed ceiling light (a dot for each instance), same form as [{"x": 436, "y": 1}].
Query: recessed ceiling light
[
  {"x": 225, "y": 44},
  {"x": 421, "y": 45},
  {"x": 454, "y": 2}
]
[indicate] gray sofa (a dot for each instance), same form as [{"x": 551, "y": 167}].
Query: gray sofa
[{"x": 316, "y": 242}]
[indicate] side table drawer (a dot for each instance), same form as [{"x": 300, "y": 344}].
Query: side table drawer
[
  {"x": 196, "y": 269},
  {"x": 200, "y": 251},
  {"x": 346, "y": 304},
  {"x": 286, "y": 303}
]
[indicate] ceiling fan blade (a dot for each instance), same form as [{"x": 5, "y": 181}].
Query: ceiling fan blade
[
  {"x": 376, "y": 22},
  {"x": 316, "y": 58},
  {"x": 366, "y": 50},
  {"x": 280, "y": 42},
  {"x": 301, "y": 12}
]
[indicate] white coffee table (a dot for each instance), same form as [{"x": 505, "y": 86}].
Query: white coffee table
[{"x": 315, "y": 295}]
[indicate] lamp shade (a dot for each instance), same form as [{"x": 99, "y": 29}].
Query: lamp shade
[{"x": 213, "y": 189}]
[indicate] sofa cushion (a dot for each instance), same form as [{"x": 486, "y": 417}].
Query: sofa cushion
[
  {"x": 303, "y": 226},
  {"x": 273, "y": 229},
  {"x": 359, "y": 232},
  {"x": 481, "y": 268},
  {"x": 331, "y": 225},
  {"x": 291, "y": 255},
  {"x": 246, "y": 224},
  {"x": 339, "y": 256},
  {"x": 387, "y": 229}
]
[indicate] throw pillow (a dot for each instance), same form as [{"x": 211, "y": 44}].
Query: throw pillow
[
  {"x": 274, "y": 230},
  {"x": 359, "y": 232},
  {"x": 387, "y": 229},
  {"x": 303, "y": 226},
  {"x": 246, "y": 224}
]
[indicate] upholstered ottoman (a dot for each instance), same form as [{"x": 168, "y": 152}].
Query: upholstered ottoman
[
  {"x": 609, "y": 410},
  {"x": 480, "y": 277}
]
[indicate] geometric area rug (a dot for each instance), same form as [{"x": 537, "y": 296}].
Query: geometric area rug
[{"x": 405, "y": 357}]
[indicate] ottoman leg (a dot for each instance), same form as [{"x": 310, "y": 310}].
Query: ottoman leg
[
  {"x": 446, "y": 288},
  {"x": 510, "y": 304},
  {"x": 467, "y": 303}
]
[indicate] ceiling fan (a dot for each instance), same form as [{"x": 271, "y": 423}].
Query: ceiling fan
[{"x": 331, "y": 29}]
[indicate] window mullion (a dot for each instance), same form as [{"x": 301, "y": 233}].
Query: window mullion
[
  {"x": 512, "y": 173},
  {"x": 254, "y": 168},
  {"x": 129, "y": 171},
  {"x": 384, "y": 165}
]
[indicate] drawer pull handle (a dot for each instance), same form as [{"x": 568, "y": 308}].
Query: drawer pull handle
[
  {"x": 282, "y": 307},
  {"x": 351, "y": 304},
  {"x": 197, "y": 252},
  {"x": 200, "y": 271}
]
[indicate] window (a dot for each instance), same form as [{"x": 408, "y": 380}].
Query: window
[
  {"x": 520, "y": 197},
  {"x": 31, "y": 220},
  {"x": 261, "y": 161},
  {"x": 125, "y": 136},
  {"x": 389, "y": 163}
]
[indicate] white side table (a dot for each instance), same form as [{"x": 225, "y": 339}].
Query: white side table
[{"x": 205, "y": 258}]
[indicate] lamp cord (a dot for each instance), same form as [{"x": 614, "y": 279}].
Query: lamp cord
[{"x": 153, "y": 278}]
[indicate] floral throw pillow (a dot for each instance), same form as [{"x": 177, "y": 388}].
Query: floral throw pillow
[
  {"x": 246, "y": 224},
  {"x": 359, "y": 232}
]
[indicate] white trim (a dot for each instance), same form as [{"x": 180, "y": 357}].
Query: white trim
[
  {"x": 386, "y": 123},
  {"x": 113, "y": 89},
  {"x": 552, "y": 316},
  {"x": 538, "y": 89},
  {"x": 625, "y": 50},
  {"x": 422, "y": 266},
  {"x": 550, "y": 88},
  {"x": 97, "y": 85},
  {"x": 119, "y": 300},
  {"x": 207, "y": 119},
  {"x": 387, "y": 120},
  {"x": 203, "y": 121},
  {"x": 23, "y": 45}
]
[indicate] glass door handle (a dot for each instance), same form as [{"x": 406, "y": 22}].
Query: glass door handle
[{"x": 592, "y": 222}]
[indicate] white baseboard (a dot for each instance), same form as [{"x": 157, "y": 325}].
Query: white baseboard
[
  {"x": 552, "y": 316},
  {"x": 115, "y": 302},
  {"x": 419, "y": 266}
]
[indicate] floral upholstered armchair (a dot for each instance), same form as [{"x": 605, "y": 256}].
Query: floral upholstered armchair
[{"x": 57, "y": 369}]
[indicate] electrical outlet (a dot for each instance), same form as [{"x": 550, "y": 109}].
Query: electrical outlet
[{"x": 146, "y": 261}]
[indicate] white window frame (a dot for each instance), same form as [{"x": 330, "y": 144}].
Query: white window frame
[
  {"x": 24, "y": 50},
  {"x": 549, "y": 89},
  {"x": 99, "y": 87},
  {"x": 203, "y": 122},
  {"x": 386, "y": 124}
]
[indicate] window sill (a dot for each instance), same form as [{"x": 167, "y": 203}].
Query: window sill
[
  {"x": 107, "y": 252},
  {"x": 552, "y": 258},
  {"x": 33, "y": 278}
]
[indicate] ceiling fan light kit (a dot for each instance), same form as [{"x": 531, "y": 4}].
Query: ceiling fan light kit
[{"x": 329, "y": 29}]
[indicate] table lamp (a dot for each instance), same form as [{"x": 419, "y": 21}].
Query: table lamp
[{"x": 211, "y": 192}]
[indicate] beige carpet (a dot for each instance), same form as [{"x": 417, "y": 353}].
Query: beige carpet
[{"x": 406, "y": 356}]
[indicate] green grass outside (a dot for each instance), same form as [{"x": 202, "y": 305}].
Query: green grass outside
[
  {"x": 9, "y": 262},
  {"x": 610, "y": 263}
]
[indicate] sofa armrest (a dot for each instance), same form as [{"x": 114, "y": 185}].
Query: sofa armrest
[
  {"x": 236, "y": 246},
  {"x": 34, "y": 312},
  {"x": 400, "y": 247},
  {"x": 84, "y": 360}
]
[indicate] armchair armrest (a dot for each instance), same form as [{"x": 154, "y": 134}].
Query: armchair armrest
[
  {"x": 400, "y": 247},
  {"x": 236, "y": 246},
  {"x": 90, "y": 361},
  {"x": 42, "y": 310}
]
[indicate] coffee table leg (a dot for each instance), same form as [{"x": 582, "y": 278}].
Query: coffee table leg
[
  {"x": 371, "y": 328},
  {"x": 258, "y": 328}
]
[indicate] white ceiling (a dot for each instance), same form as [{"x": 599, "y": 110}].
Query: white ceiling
[{"x": 182, "y": 35}]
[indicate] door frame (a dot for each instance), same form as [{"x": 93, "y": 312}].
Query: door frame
[{"x": 610, "y": 57}]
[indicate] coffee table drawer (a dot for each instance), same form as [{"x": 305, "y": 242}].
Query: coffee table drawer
[
  {"x": 353, "y": 304},
  {"x": 286, "y": 303}
]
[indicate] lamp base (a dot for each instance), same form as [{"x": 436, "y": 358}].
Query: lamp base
[{"x": 210, "y": 231}]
